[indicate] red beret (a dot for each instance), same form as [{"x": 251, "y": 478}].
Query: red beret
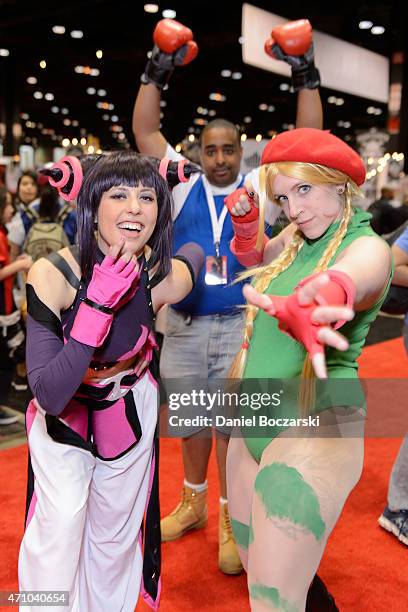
[{"x": 313, "y": 146}]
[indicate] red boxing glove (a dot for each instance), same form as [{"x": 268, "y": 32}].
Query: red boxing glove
[
  {"x": 294, "y": 38},
  {"x": 169, "y": 35},
  {"x": 245, "y": 229},
  {"x": 295, "y": 319}
]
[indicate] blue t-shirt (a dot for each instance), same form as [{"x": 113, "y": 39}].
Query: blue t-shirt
[
  {"x": 193, "y": 224},
  {"x": 402, "y": 243}
]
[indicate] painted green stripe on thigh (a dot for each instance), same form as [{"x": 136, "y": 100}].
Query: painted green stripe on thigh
[
  {"x": 260, "y": 591},
  {"x": 241, "y": 533},
  {"x": 285, "y": 494}
]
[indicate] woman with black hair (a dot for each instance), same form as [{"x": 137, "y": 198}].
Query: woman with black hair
[{"x": 91, "y": 426}]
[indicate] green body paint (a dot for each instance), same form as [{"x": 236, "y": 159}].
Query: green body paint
[
  {"x": 241, "y": 533},
  {"x": 260, "y": 591},
  {"x": 285, "y": 494}
]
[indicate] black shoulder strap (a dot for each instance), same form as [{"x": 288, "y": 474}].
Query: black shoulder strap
[{"x": 62, "y": 265}]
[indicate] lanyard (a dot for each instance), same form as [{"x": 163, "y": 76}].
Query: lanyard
[{"x": 216, "y": 223}]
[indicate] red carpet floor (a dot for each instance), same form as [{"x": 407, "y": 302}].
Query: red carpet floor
[{"x": 365, "y": 568}]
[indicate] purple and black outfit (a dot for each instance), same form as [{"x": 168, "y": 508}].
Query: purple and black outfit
[{"x": 93, "y": 457}]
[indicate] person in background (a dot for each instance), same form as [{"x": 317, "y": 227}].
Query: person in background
[
  {"x": 12, "y": 339},
  {"x": 395, "y": 515}
]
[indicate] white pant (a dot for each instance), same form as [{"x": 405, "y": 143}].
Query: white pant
[{"x": 83, "y": 534}]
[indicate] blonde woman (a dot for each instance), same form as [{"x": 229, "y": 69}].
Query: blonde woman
[{"x": 326, "y": 270}]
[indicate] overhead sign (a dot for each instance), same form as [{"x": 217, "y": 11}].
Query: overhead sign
[{"x": 343, "y": 66}]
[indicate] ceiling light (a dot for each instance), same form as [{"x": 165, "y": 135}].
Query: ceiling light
[
  {"x": 91, "y": 91},
  {"x": 271, "y": 108},
  {"x": 83, "y": 141},
  {"x": 43, "y": 64},
  {"x": 101, "y": 92},
  {"x": 347, "y": 124},
  {"x": 169, "y": 14},
  {"x": 79, "y": 69},
  {"x": 99, "y": 54},
  {"x": 212, "y": 113},
  {"x": 121, "y": 136},
  {"x": 377, "y": 30},
  {"x": 54, "y": 109},
  {"x": 284, "y": 86},
  {"x": 77, "y": 34},
  {"x": 178, "y": 148},
  {"x": 331, "y": 99},
  {"x": 247, "y": 119},
  {"x": 243, "y": 137},
  {"x": 38, "y": 95},
  {"x": 200, "y": 121},
  {"x": 4, "y": 52},
  {"x": 217, "y": 97},
  {"x": 75, "y": 123},
  {"x": 151, "y": 8},
  {"x": 114, "y": 118},
  {"x": 163, "y": 103},
  {"x": 94, "y": 72},
  {"x": 339, "y": 102},
  {"x": 91, "y": 149},
  {"x": 74, "y": 141},
  {"x": 105, "y": 117},
  {"x": 236, "y": 76},
  {"x": 258, "y": 137},
  {"x": 263, "y": 107},
  {"x": 31, "y": 80},
  {"x": 365, "y": 25},
  {"x": 64, "y": 111},
  {"x": 191, "y": 138},
  {"x": 66, "y": 142},
  {"x": 241, "y": 40},
  {"x": 58, "y": 29},
  {"x": 49, "y": 96},
  {"x": 67, "y": 122},
  {"x": 24, "y": 116},
  {"x": 371, "y": 110},
  {"x": 226, "y": 73}
]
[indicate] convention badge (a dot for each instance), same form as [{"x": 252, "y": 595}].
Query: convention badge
[{"x": 216, "y": 270}]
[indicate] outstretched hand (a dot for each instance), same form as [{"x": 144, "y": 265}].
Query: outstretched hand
[{"x": 304, "y": 320}]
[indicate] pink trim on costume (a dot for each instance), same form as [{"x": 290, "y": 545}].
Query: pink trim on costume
[
  {"x": 111, "y": 430},
  {"x": 76, "y": 417},
  {"x": 148, "y": 599},
  {"x": 180, "y": 171},
  {"x": 31, "y": 509},
  {"x": 140, "y": 342},
  {"x": 152, "y": 380},
  {"x": 30, "y": 416},
  {"x": 78, "y": 176},
  {"x": 164, "y": 164}
]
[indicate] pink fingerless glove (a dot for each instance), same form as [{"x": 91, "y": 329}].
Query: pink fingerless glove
[
  {"x": 295, "y": 319},
  {"x": 245, "y": 230},
  {"x": 113, "y": 283}
]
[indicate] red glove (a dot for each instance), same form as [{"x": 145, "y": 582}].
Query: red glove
[
  {"x": 296, "y": 319},
  {"x": 292, "y": 43},
  {"x": 173, "y": 46},
  {"x": 245, "y": 229},
  {"x": 169, "y": 35}
]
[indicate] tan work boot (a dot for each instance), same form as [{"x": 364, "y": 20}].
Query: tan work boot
[
  {"x": 228, "y": 557},
  {"x": 191, "y": 513}
]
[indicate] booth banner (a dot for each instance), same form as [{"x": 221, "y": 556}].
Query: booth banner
[{"x": 343, "y": 66}]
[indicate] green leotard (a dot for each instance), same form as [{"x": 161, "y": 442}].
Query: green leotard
[{"x": 274, "y": 355}]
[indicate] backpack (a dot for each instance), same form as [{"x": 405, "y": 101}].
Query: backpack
[{"x": 46, "y": 237}]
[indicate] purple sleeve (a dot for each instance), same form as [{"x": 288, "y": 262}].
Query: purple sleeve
[
  {"x": 192, "y": 255},
  {"x": 55, "y": 371}
]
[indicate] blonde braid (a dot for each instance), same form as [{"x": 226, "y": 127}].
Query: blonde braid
[
  {"x": 307, "y": 391},
  {"x": 262, "y": 279}
]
